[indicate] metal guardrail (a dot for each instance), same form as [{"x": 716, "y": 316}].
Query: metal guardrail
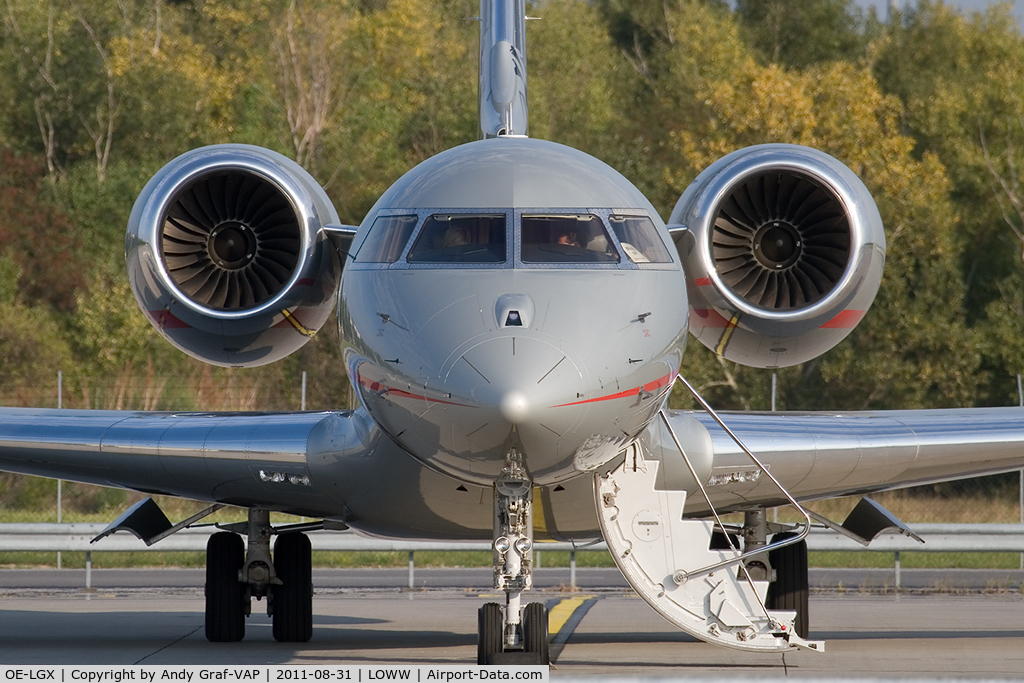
[
  {"x": 943, "y": 538},
  {"x": 76, "y": 537}
]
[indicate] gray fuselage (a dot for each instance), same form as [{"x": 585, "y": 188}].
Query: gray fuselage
[{"x": 469, "y": 331}]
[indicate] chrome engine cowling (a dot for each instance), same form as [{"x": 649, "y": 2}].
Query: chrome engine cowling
[
  {"x": 227, "y": 258},
  {"x": 783, "y": 253}
]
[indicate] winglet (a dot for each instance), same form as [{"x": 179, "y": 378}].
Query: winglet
[
  {"x": 866, "y": 522},
  {"x": 869, "y": 520},
  {"x": 145, "y": 520}
]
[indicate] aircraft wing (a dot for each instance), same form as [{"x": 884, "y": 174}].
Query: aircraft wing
[
  {"x": 332, "y": 465},
  {"x": 825, "y": 455},
  {"x": 318, "y": 463},
  {"x": 244, "y": 459}
]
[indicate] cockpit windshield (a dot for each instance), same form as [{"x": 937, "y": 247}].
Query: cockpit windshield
[
  {"x": 566, "y": 238},
  {"x": 460, "y": 238},
  {"x": 639, "y": 239},
  {"x": 584, "y": 238},
  {"x": 387, "y": 239}
]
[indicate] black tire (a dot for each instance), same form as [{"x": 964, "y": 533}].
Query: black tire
[
  {"x": 225, "y": 594},
  {"x": 791, "y": 587},
  {"x": 293, "y": 598},
  {"x": 490, "y": 632},
  {"x": 535, "y": 631}
]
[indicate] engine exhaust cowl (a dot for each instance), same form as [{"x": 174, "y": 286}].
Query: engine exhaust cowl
[
  {"x": 227, "y": 258},
  {"x": 783, "y": 252}
]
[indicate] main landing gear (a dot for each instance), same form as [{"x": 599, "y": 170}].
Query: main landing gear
[
  {"x": 234, "y": 576},
  {"x": 512, "y": 634},
  {"x": 791, "y": 587}
]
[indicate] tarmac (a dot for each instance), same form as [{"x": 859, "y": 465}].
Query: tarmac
[{"x": 961, "y": 627}]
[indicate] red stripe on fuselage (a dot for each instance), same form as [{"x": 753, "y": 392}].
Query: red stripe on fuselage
[
  {"x": 392, "y": 391},
  {"x": 650, "y": 386}
]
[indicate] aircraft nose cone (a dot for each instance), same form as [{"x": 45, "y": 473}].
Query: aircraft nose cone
[
  {"x": 514, "y": 407},
  {"x": 519, "y": 380},
  {"x": 512, "y": 388}
]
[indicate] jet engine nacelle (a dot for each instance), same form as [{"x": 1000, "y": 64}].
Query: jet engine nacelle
[
  {"x": 783, "y": 253},
  {"x": 227, "y": 258}
]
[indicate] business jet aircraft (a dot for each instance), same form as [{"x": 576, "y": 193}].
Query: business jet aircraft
[{"x": 514, "y": 315}]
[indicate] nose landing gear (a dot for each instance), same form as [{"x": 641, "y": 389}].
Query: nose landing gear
[{"x": 510, "y": 634}]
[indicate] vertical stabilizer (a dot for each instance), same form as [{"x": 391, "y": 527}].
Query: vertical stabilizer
[{"x": 503, "y": 68}]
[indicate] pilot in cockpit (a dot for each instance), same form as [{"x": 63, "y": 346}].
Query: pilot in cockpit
[
  {"x": 456, "y": 236},
  {"x": 566, "y": 236}
]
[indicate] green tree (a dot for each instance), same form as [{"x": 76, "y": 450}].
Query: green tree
[
  {"x": 572, "y": 72},
  {"x": 178, "y": 95},
  {"x": 411, "y": 94},
  {"x": 801, "y": 33},
  {"x": 32, "y": 346},
  {"x": 958, "y": 79},
  {"x": 678, "y": 48},
  {"x": 37, "y": 235},
  {"x": 48, "y": 70}
]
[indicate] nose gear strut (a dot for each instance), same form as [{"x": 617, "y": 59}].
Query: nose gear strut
[{"x": 513, "y": 635}]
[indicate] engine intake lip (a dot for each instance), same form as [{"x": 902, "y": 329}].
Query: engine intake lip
[
  {"x": 780, "y": 240},
  {"x": 230, "y": 240},
  {"x": 192, "y": 220},
  {"x": 763, "y": 214},
  {"x": 722, "y": 255}
]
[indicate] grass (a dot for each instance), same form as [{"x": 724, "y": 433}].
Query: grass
[
  {"x": 174, "y": 508},
  {"x": 868, "y": 560}
]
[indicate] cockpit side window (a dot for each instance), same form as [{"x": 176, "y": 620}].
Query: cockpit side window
[
  {"x": 639, "y": 239},
  {"x": 387, "y": 239},
  {"x": 566, "y": 238},
  {"x": 460, "y": 238}
]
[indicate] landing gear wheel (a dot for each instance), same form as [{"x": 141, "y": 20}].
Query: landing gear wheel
[
  {"x": 535, "y": 631},
  {"x": 293, "y": 598},
  {"x": 225, "y": 594},
  {"x": 790, "y": 589},
  {"x": 490, "y": 632}
]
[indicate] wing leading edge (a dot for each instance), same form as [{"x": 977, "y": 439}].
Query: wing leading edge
[
  {"x": 256, "y": 459},
  {"x": 323, "y": 463},
  {"x": 826, "y": 455},
  {"x": 333, "y": 465}
]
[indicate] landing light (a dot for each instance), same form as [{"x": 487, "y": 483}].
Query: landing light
[{"x": 284, "y": 477}]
